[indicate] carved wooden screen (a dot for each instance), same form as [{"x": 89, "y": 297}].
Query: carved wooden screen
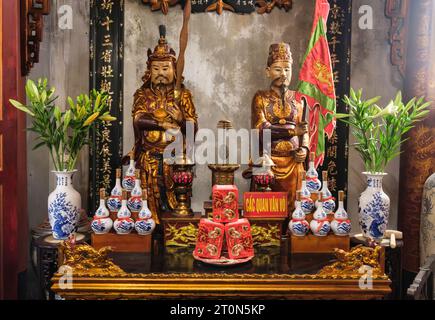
[{"x": 106, "y": 62}]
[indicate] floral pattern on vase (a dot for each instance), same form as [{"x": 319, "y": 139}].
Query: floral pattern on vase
[
  {"x": 64, "y": 205},
  {"x": 374, "y": 208}
]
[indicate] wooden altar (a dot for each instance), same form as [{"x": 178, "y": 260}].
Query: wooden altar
[{"x": 173, "y": 273}]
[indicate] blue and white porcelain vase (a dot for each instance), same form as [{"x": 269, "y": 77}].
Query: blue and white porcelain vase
[
  {"x": 341, "y": 224},
  {"x": 102, "y": 223},
  {"x": 135, "y": 201},
  {"x": 129, "y": 177},
  {"x": 115, "y": 199},
  {"x": 298, "y": 226},
  {"x": 124, "y": 224},
  {"x": 313, "y": 182},
  {"x": 145, "y": 224},
  {"x": 307, "y": 203},
  {"x": 374, "y": 208},
  {"x": 427, "y": 224},
  {"x": 64, "y": 205},
  {"x": 320, "y": 225}
]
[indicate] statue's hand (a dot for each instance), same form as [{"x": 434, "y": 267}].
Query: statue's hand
[
  {"x": 176, "y": 114},
  {"x": 301, "y": 129},
  {"x": 301, "y": 155},
  {"x": 169, "y": 125}
]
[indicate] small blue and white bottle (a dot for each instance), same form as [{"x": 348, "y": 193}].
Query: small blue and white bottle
[
  {"x": 129, "y": 176},
  {"x": 320, "y": 225},
  {"x": 101, "y": 222},
  {"x": 298, "y": 226},
  {"x": 124, "y": 224},
  {"x": 135, "y": 201},
  {"x": 328, "y": 199},
  {"x": 115, "y": 199},
  {"x": 307, "y": 203},
  {"x": 313, "y": 182},
  {"x": 145, "y": 224},
  {"x": 341, "y": 225}
]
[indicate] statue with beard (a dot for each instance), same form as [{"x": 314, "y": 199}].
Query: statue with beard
[
  {"x": 159, "y": 107},
  {"x": 276, "y": 109}
]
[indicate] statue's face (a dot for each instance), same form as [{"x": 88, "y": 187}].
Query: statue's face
[
  {"x": 280, "y": 73},
  {"x": 162, "y": 73}
]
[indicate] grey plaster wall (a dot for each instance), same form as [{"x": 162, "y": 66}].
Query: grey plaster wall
[
  {"x": 225, "y": 62},
  {"x": 64, "y": 60},
  {"x": 371, "y": 70}
]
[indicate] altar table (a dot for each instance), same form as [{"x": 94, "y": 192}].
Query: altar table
[{"x": 173, "y": 273}]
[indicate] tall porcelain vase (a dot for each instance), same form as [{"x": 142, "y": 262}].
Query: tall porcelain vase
[
  {"x": 64, "y": 205},
  {"x": 374, "y": 208}
]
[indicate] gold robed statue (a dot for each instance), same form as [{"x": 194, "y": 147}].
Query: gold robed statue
[
  {"x": 277, "y": 109},
  {"x": 159, "y": 107}
]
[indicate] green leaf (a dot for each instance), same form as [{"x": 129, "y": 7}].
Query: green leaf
[
  {"x": 71, "y": 103},
  {"x": 39, "y": 145},
  {"x": 66, "y": 120},
  {"x": 57, "y": 114},
  {"x": 21, "y": 107},
  {"x": 31, "y": 87}
]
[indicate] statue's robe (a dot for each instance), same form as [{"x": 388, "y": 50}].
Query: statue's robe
[
  {"x": 268, "y": 112},
  {"x": 149, "y": 108}
]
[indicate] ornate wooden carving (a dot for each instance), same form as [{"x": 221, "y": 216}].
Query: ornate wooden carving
[
  {"x": 418, "y": 150},
  {"x": 237, "y": 6},
  {"x": 397, "y": 11},
  {"x": 32, "y": 12}
]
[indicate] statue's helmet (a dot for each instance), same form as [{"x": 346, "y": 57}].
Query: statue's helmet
[
  {"x": 162, "y": 52},
  {"x": 279, "y": 52}
]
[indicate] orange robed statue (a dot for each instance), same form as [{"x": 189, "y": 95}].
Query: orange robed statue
[
  {"x": 158, "y": 107},
  {"x": 277, "y": 109}
]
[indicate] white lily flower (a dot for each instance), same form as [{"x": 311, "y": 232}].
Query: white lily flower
[{"x": 390, "y": 109}]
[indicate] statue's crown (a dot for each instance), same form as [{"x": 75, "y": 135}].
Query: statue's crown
[
  {"x": 279, "y": 52},
  {"x": 162, "y": 51}
]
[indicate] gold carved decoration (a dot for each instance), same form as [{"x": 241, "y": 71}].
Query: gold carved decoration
[
  {"x": 265, "y": 236},
  {"x": 88, "y": 262},
  {"x": 180, "y": 236},
  {"x": 355, "y": 262},
  {"x": 397, "y": 11},
  {"x": 84, "y": 259},
  {"x": 263, "y": 6},
  {"x": 32, "y": 12}
]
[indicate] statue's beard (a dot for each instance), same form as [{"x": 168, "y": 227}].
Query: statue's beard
[
  {"x": 162, "y": 84},
  {"x": 281, "y": 82}
]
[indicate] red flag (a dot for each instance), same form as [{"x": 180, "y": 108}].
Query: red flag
[{"x": 316, "y": 83}]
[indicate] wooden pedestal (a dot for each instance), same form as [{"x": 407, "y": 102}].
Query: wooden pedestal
[
  {"x": 132, "y": 242},
  {"x": 266, "y": 232},
  {"x": 312, "y": 244},
  {"x": 180, "y": 231}
]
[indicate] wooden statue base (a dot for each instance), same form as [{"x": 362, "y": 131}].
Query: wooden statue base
[
  {"x": 180, "y": 231},
  {"x": 312, "y": 244},
  {"x": 266, "y": 232},
  {"x": 132, "y": 242}
]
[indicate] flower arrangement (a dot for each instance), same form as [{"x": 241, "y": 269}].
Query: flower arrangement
[
  {"x": 379, "y": 131},
  {"x": 64, "y": 133}
]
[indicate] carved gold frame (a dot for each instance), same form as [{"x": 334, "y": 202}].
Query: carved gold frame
[{"x": 94, "y": 276}]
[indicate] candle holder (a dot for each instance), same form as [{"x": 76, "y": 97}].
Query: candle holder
[
  {"x": 182, "y": 175},
  {"x": 262, "y": 173}
]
